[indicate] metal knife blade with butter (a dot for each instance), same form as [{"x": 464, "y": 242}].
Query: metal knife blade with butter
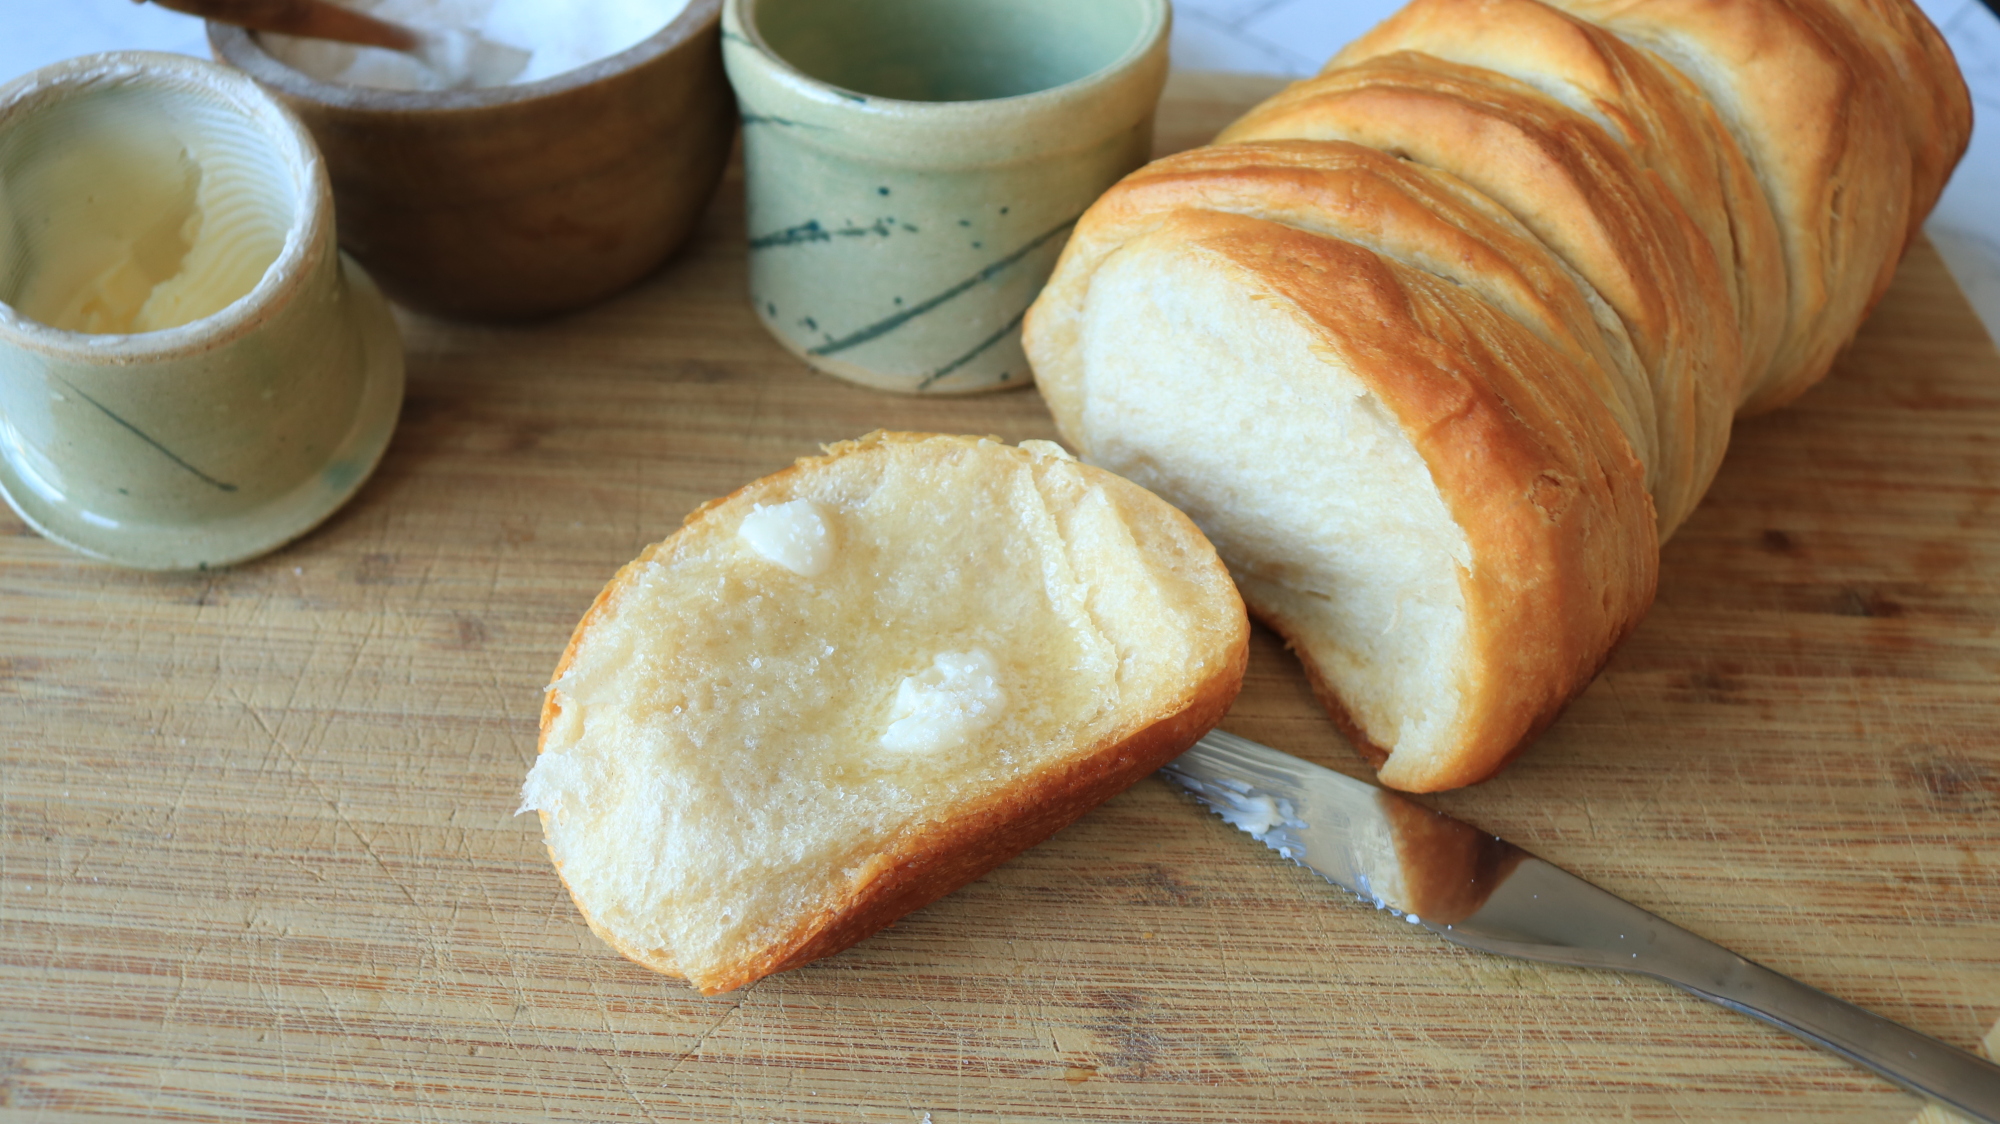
[{"x": 1480, "y": 891}]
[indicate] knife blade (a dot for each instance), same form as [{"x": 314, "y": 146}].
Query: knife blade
[{"x": 1475, "y": 889}]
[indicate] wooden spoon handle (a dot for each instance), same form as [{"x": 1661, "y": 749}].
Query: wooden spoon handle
[{"x": 314, "y": 19}]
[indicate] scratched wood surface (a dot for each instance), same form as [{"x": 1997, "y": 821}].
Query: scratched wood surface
[{"x": 258, "y": 859}]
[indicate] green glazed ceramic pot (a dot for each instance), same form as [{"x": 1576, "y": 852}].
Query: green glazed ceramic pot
[
  {"x": 914, "y": 167},
  {"x": 168, "y": 400}
]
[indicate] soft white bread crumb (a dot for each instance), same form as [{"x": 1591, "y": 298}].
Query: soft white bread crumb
[
  {"x": 1355, "y": 541},
  {"x": 745, "y": 766}
]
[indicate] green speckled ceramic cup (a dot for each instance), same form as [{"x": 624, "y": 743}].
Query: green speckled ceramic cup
[
  {"x": 190, "y": 373},
  {"x": 914, "y": 167}
]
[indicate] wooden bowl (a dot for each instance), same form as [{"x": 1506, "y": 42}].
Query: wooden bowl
[{"x": 520, "y": 201}]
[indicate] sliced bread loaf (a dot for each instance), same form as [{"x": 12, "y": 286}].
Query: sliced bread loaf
[
  {"x": 1424, "y": 442},
  {"x": 1389, "y": 407}
]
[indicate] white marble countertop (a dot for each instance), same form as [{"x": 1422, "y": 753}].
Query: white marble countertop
[{"x": 1289, "y": 37}]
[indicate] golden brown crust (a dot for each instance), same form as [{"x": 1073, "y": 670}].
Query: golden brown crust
[
  {"x": 1651, "y": 110},
  {"x": 924, "y": 864},
  {"x": 1936, "y": 105},
  {"x": 1584, "y": 196},
  {"x": 1823, "y": 128}
]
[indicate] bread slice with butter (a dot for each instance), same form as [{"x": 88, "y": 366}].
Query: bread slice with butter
[{"x": 860, "y": 683}]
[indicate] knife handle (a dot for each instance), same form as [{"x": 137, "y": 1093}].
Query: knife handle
[
  {"x": 1548, "y": 925},
  {"x": 1918, "y": 1062}
]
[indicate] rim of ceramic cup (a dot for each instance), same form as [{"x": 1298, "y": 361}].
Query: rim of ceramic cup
[
  {"x": 1159, "y": 18},
  {"x": 240, "y": 48},
  {"x": 305, "y": 235}
]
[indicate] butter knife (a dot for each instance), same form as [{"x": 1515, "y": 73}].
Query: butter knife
[{"x": 1480, "y": 891}]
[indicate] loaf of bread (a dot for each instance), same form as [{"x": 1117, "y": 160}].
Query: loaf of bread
[
  {"x": 858, "y": 684},
  {"x": 1440, "y": 345}
]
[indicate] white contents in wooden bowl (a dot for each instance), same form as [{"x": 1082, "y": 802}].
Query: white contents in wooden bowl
[{"x": 512, "y": 41}]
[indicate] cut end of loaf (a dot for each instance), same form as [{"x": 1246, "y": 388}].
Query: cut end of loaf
[
  {"x": 856, "y": 685},
  {"x": 1204, "y": 388},
  {"x": 1428, "y": 501}
]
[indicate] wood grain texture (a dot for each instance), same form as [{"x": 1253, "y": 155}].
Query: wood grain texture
[{"x": 258, "y": 862}]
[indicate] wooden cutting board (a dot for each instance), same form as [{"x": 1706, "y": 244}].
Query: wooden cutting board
[{"x": 258, "y": 859}]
